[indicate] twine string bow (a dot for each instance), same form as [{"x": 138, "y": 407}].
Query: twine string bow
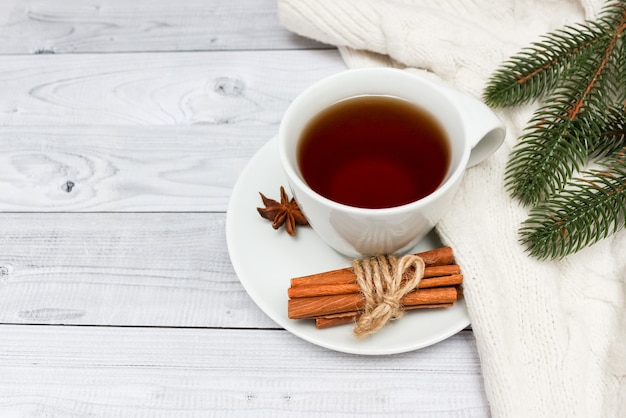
[{"x": 384, "y": 280}]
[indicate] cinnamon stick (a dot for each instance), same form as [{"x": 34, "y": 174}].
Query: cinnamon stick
[
  {"x": 300, "y": 290},
  {"x": 334, "y": 297},
  {"x": 328, "y": 321},
  {"x": 310, "y": 307},
  {"x": 437, "y": 257},
  {"x": 347, "y": 276},
  {"x": 442, "y": 258}
]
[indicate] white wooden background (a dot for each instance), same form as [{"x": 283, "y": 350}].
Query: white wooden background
[{"x": 123, "y": 128}]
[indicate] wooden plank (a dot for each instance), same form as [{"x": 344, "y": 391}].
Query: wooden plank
[
  {"x": 148, "y": 133},
  {"x": 124, "y": 168},
  {"x": 160, "y": 269},
  {"x": 210, "y": 88},
  {"x": 136, "y": 372},
  {"x": 69, "y": 26}
]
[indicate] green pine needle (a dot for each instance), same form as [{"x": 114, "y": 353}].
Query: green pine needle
[
  {"x": 590, "y": 209},
  {"x": 578, "y": 74},
  {"x": 614, "y": 134},
  {"x": 548, "y": 155},
  {"x": 561, "y": 134},
  {"x": 534, "y": 72}
]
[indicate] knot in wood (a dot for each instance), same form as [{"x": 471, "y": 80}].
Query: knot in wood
[
  {"x": 229, "y": 87},
  {"x": 68, "y": 186}
]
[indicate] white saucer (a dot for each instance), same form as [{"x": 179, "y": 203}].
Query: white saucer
[{"x": 266, "y": 259}]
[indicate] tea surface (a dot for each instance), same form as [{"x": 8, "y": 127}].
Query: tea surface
[{"x": 374, "y": 152}]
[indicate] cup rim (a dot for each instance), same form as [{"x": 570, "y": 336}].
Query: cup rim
[{"x": 292, "y": 173}]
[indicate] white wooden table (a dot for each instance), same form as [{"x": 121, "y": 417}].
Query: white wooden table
[{"x": 123, "y": 128}]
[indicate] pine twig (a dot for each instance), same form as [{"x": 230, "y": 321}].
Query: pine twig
[
  {"x": 564, "y": 132},
  {"x": 534, "y": 72},
  {"x": 579, "y": 75},
  {"x": 592, "y": 208}
]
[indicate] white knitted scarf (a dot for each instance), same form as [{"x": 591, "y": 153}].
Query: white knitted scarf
[{"x": 551, "y": 335}]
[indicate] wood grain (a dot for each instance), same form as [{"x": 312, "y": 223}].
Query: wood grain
[
  {"x": 156, "y": 269},
  {"x": 70, "y": 26},
  {"x": 83, "y": 153},
  {"x": 124, "y": 168},
  {"x": 128, "y": 372},
  {"x": 124, "y": 125},
  {"x": 211, "y": 88}
]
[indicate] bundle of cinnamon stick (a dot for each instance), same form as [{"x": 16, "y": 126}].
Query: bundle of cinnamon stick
[{"x": 334, "y": 297}]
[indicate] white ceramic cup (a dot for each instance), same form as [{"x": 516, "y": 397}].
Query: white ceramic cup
[{"x": 473, "y": 130}]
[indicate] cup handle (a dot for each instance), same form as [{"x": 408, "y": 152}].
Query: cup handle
[{"x": 483, "y": 127}]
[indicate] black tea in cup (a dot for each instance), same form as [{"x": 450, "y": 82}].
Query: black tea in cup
[{"x": 374, "y": 152}]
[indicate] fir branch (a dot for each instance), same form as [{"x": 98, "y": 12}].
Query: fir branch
[
  {"x": 534, "y": 72},
  {"x": 562, "y": 133},
  {"x": 545, "y": 158},
  {"x": 579, "y": 73},
  {"x": 611, "y": 53},
  {"x": 591, "y": 209}
]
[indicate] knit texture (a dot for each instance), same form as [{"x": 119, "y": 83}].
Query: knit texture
[{"x": 551, "y": 335}]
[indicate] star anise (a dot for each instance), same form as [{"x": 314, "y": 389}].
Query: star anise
[{"x": 285, "y": 212}]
